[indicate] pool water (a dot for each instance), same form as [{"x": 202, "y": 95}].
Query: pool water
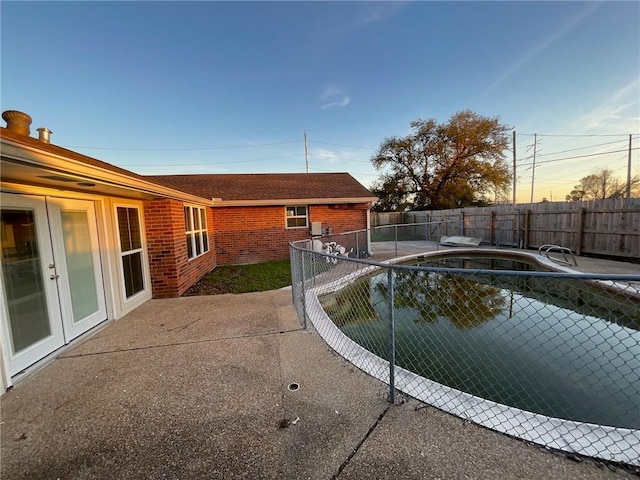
[{"x": 572, "y": 354}]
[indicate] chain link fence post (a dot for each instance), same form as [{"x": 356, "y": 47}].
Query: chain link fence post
[
  {"x": 303, "y": 291},
  {"x": 392, "y": 337},
  {"x": 357, "y": 246},
  {"x": 395, "y": 229}
]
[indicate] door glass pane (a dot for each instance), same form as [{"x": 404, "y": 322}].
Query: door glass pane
[
  {"x": 132, "y": 267},
  {"x": 22, "y": 275},
  {"x": 79, "y": 259}
]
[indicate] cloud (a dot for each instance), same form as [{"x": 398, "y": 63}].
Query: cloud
[
  {"x": 334, "y": 97},
  {"x": 342, "y": 103},
  {"x": 330, "y": 156},
  {"x": 381, "y": 11},
  {"x": 618, "y": 113}
]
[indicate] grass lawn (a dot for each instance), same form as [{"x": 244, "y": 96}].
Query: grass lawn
[{"x": 243, "y": 278}]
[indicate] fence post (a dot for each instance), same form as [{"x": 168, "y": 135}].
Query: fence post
[
  {"x": 519, "y": 227},
  {"x": 395, "y": 229},
  {"x": 392, "y": 337},
  {"x": 304, "y": 293},
  {"x": 580, "y": 232},
  {"x": 527, "y": 228},
  {"x": 428, "y": 226},
  {"x": 492, "y": 228},
  {"x": 357, "y": 246}
]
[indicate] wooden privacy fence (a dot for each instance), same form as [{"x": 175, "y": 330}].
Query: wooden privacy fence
[{"x": 597, "y": 227}]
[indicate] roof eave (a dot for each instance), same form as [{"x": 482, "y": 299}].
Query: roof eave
[
  {"x": 51, "y": 162},
  {"x": 218, "y": 202}
]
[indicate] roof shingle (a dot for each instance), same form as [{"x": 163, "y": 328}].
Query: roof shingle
[{"x": 267, "y": 186}]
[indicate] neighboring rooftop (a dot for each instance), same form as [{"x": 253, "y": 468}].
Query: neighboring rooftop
[{"x": 268, "y": 187}]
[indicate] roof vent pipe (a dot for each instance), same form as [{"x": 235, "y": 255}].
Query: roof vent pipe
[
  {"x": 18, "y": 122},
  {"x": 44, "y": 135}
]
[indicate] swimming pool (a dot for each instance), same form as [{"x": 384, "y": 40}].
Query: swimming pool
[
  {"x": 501, "y": 345},
  {"x": 560, "y": 355}
]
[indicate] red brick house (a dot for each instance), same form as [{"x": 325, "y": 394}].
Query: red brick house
[
  {"x": 257, "y": 215},
  {"x": 84, "y": 241}
]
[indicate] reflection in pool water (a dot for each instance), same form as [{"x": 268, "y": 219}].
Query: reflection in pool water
[{"x": 575, "y": 356}]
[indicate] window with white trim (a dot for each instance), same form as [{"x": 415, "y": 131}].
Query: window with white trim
[
  {"x": 297, "y": 216},
  {"x": 195, "y": 221},
  {"x": 131, "y": 254}
]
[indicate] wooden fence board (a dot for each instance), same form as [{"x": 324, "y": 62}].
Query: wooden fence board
[{"x": 600, "y": 227}]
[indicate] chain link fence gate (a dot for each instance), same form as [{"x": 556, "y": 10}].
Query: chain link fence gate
[{"x": 552, "y": 358}]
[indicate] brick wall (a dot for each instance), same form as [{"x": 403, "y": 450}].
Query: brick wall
[
  {"x": 171, "y": 271},
  {"x": 258, "y": 234}
]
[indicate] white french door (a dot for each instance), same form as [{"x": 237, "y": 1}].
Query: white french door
[
  {"x": 52, "y": 275},
  {"x": 74, "y": 237}
]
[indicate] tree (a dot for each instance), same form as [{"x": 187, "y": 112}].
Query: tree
[
  {"x": 391, "y": 197},
  {"x": 602, "y": 184},
  {"x": 448, "y": 165}
]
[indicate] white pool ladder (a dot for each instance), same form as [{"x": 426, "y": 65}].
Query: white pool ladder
[{"x": 550, "y": 248}]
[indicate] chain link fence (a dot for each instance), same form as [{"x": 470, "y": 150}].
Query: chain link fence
[
  {"x": 417, "y": 231},
  {"x": 552, "y": 358}
]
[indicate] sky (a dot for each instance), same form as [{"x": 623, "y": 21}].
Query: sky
[{"x": 231, "y": 87}]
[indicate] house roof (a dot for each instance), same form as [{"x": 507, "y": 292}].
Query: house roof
[
  {"x": 270, "y": 188},
  {"x": 63, "y": 152},
  {"x": 27, "y": 160}
]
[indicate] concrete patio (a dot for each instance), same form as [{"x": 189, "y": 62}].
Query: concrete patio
[{"x": 197, "y": 387}]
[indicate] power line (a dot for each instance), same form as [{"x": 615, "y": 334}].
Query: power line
[
  {"x": 579, "y": 135},
  {"x": 354, "y": 173},
  {"x": 582, "y": 148},
  {"x": 181, "y": 149},
  {"x": 582, "y": 156},
  {"x": 207, "y": 163},
  {"x": 340, "y": 145},
  {"x": 336, "y": 157}
]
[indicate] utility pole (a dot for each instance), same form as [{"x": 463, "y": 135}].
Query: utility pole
[
  {"x": 629, "y": 170},
  {"x": 514, "y": 167},
  {"x": 533, "y": 167},
  {"x": 306, "y": 153}
]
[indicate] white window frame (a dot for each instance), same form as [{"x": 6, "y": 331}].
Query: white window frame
[
  {"x": 295, "y": 215},
  {"x": 125, "y": 253},
  {"x": 196, "y": 233}
]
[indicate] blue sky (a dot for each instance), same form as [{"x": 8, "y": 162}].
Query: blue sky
[{"x": 229, "y": 87}]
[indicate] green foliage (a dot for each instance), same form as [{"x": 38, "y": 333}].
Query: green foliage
[
  {"x": 258, "y": 277},
  {"x": 447, "y": 165}
]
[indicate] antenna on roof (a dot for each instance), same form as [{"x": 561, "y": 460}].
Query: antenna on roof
[{"x": 306, "y": 157}]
